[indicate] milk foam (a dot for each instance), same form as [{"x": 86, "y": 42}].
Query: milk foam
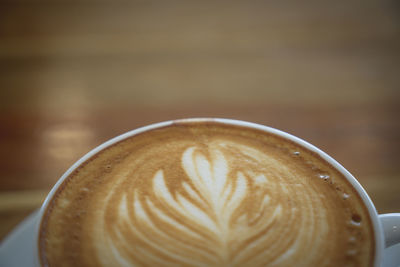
[{"x": 207, "y": 200}]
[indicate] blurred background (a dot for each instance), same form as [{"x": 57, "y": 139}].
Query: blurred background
[{"x": 75, "y": 73}]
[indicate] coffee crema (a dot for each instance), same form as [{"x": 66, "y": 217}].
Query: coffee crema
[{"x": 206, "y": 194}]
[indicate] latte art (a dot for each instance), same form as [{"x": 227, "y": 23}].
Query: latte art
[
  {"x": 209, "y": 212},
  {"x": 206, "y": 195}
]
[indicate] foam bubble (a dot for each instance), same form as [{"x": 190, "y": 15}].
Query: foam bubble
[
  {"x": 324, "y": 176},
  {"x": 356, "y": 220},
  {"x": 352, "y": 239},
  {"x": 351, "y": 252}
]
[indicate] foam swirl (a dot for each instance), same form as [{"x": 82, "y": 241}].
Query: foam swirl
[{"x": 207, "y": 219}]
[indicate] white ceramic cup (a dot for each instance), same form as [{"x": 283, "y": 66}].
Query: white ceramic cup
[{"x": 386, "y": 226}]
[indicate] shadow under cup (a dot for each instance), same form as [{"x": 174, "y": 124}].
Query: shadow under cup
[{"x": 216, "y": 234}]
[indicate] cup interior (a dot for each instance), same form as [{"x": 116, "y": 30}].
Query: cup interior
[{"x": 379, "y": 242}]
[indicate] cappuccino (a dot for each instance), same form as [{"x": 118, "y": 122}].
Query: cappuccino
[{"x": 204, "y": 193}]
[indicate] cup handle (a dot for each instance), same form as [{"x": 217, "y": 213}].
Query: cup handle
[{"x": 391, "y": 228}]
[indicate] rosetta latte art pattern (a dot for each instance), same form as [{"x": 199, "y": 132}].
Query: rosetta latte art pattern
[{"x": 220, "y": 213}]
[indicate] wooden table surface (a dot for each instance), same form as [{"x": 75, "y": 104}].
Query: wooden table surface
[{"x": 74, "y": 73}]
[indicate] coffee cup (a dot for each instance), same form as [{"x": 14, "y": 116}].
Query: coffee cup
[{"x": 209, "y": 191}]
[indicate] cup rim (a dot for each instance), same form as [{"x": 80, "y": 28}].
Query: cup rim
[{"x": 379, "y": 240}]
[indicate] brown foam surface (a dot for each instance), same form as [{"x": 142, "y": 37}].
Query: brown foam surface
[{"x": 206, "y": 194}]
